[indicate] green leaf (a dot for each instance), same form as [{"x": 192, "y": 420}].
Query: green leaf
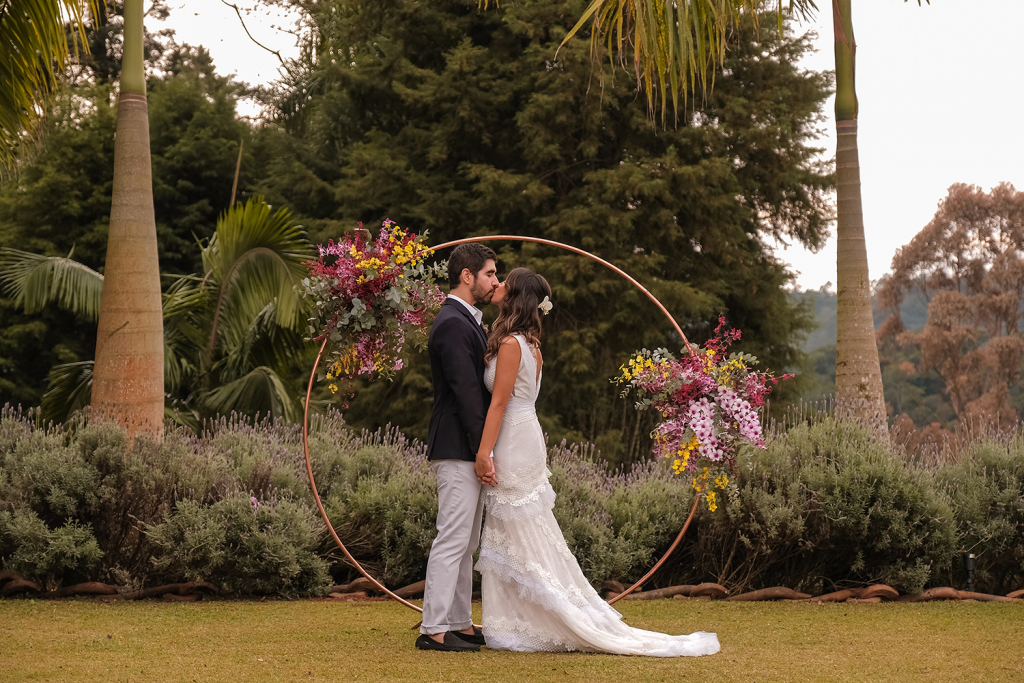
[
  {"x": 69, "y": 389},
  {"x": 254, "y": 259},
  {"x": 672, "y": 47},
  {"x": 34, "y": 51},
  {"x": 34, "y": 281},
  {"x": 259, "y": 391}
]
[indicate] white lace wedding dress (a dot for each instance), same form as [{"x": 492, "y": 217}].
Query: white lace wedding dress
[{"x": 535, "y": 597}]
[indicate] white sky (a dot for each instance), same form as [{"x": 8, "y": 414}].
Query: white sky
[{"x": 941, "y": 92}]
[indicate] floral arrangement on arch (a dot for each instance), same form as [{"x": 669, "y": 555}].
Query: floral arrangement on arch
[
  {"x": 708, "y": 401},
  {"x": 371, "y": 297}
]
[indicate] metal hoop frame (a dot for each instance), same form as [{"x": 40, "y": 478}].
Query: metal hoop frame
[{"x": 491, "y": 238}]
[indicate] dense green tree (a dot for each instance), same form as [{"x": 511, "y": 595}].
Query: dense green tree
[
  {"x": 673, "y": 48},
  {"x": 670, "y": 42},
  {"x": 231, "y": 332},
  {"x": 462, "y": 122},
  {"x": 100, "y": 61},
  {"x": 61, "y": 201}
]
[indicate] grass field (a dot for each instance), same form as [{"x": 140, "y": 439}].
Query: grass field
[{"x": 236, "y": 641}]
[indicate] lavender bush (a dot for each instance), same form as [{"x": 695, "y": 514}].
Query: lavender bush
[{"x": 823, "y": 506}]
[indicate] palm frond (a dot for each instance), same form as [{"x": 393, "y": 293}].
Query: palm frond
[
  {"x": 254, "y": 259},
  {"x": 260, "y": 391},
  {"x": 34, "y": 51},
  {"x": 69, "y": 388},
  {"x": 673, "y": 46},
  {"x": 186, "y": 324},
  {"x": 34, "y": 281},
  {"x": 264, "y": 343}
]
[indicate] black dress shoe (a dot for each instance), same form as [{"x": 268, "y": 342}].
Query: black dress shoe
[
  {"x": 450, "y": 644},
  {"x": 476, "y": 637}
]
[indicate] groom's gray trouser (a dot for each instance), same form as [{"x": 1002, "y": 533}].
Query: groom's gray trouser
[{"x": 449, "y": 588}]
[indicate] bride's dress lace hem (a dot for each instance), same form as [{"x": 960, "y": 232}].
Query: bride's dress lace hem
[
  {"x": 540, "y": 588},
  {"x": 510, "y": 634}
]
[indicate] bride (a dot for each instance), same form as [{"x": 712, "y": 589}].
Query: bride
[{"x": 535, "y": 597}]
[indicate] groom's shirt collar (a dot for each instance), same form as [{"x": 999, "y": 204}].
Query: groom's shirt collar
[{"x": 477, "y": 314}]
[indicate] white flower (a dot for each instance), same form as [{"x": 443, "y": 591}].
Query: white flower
[{"x": 545, "y": 306}]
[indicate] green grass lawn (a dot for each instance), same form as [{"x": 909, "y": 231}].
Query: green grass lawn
[{"x": 236, "y": 641}]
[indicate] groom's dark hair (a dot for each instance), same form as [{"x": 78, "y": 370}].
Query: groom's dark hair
[{"x": 473, "y": 256}]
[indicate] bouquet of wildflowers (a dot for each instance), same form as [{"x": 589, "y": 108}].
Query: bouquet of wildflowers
[
  {"x": 371, "y": 297},
  {"x": 708, "y": 403}
]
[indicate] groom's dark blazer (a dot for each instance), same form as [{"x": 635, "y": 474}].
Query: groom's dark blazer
[{"x": 456, "y": 346}]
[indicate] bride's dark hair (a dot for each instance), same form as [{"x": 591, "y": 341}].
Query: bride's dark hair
[{"x": 518, "y": 311}]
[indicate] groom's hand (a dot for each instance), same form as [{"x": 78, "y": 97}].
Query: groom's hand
[{"x": 484, "y": 468}]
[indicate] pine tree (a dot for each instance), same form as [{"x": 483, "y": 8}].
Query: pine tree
[{"x": 464, "y": 122}]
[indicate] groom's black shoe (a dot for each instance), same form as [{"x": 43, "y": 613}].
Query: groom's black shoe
[
  {"x": 476, "y": 637},
  {"x": 450, "y": 644}
]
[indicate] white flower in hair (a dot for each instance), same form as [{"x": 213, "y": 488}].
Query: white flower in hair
[{"x": 545, "y": 306}]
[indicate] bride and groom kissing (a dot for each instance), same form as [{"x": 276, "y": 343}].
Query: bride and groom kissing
[{"x": 488, "y": 452}]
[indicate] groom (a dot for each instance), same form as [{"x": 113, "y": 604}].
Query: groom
[{"x": 456, "y": 346}]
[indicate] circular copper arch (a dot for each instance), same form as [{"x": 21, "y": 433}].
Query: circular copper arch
[{"x": 490, "y": 238}]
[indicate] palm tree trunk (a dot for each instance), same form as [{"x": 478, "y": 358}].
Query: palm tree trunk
[
  {"x": 128, "y": 379},
  {"x": 858, "y": 374}
]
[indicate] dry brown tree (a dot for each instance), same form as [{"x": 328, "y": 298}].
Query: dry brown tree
[{"x": 968, "y": 262}]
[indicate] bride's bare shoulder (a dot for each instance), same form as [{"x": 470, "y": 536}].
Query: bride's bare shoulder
[{"x": 509, "y": 346}]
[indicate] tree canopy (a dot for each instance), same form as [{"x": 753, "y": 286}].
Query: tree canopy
[
  {"x": 463, "y": 122},
  {"x": 59, "y": 203},
  {"x": 968, "y": 262}
]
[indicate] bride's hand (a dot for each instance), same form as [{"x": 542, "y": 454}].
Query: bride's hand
[{"x": 484, "y": 468}]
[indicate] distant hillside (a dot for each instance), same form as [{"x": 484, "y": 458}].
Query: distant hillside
[
  {"x": 914, "y": 313},
  {"x": 917, "y": 394}
]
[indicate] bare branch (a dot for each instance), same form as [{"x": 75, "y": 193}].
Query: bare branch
[{"x": 239, "y": 13}]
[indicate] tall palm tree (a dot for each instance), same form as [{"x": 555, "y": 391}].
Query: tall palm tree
[
  {"x": 858, "y": 374},
  {"x": 230, "y": 333},
  {"x": 676, "y": 45},
  {"x": 34, "y": 52},
  {"x": 128, "y": 376}
]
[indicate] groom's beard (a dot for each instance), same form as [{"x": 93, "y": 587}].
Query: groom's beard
[{"x": 481, "y": 294}]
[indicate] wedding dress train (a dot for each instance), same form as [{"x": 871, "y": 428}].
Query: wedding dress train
[{"x": 535, "y": 597}]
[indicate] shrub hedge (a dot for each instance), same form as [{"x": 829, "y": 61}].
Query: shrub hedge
[{"x": 824, "y": 506}]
